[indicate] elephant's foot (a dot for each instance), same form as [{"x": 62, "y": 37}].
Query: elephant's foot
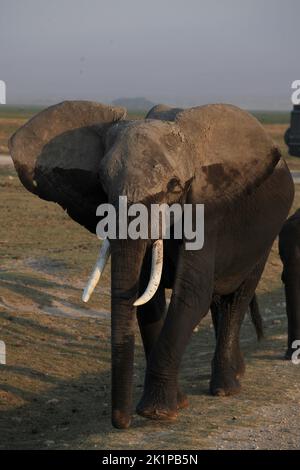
[
  {"x": 224, "y": 382},
  {"x": 120, "y": 420},
  {"x": 159, "y": 400}
]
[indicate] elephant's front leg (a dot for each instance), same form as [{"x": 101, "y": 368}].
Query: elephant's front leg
[
  {"x": 151, "y": 317},
  {"x": 190, "y": 302}
]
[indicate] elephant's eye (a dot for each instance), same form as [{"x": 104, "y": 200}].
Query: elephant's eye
[{"x": 174, "y": 185}]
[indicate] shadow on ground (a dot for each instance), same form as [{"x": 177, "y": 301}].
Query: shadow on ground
[{"x": 55, "y": 389}]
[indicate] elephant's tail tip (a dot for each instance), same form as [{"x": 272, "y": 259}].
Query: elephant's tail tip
[{"x": 256, "y": 318}]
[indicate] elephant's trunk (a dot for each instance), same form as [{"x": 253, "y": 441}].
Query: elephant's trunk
[{"x": 127, "y": 259}]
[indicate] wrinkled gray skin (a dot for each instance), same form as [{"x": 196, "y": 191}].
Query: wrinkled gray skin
[
  {"x": 80, "y": 154},
  {"x": 289, "y": 250}
]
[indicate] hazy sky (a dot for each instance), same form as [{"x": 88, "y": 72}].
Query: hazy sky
[{"x": 175, "y": 51}]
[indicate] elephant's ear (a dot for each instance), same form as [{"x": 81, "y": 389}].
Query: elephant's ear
[
  {"x": 231, "y": 151},
  {"x": 57, "y": 155}
]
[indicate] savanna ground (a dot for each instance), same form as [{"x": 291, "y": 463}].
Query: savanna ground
[{"x": 55, "y": 388}]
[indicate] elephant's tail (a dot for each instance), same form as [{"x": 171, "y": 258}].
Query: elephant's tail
[{"x": 256, "y": 317}]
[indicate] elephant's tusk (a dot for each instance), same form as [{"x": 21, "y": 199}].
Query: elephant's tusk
[
  {"x": 156, "y": 270},
  {"x": 97, "y": 271}
]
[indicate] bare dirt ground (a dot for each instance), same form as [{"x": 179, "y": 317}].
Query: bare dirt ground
[{"x": 55, "y": 387}]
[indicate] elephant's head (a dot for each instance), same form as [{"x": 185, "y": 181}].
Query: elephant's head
[{"x": 81, "y": 154}]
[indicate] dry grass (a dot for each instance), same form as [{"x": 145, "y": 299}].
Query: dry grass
[{"x": 7, "y": 127}]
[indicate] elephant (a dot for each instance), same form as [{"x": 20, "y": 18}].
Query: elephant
[
  {"x": 289, "y": 251},
  {"x": 82, "y": 154}
]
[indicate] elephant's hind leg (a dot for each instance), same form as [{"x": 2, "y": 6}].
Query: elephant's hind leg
[{"x": 228, "y": 363}]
